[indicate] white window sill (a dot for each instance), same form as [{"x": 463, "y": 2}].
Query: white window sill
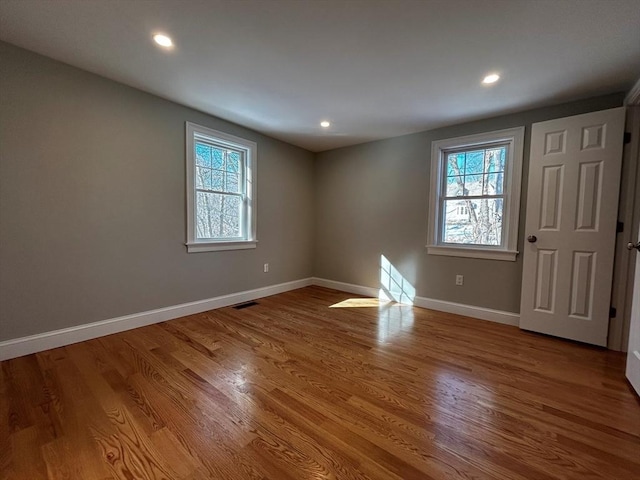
[
  {"x": 473, "y": 252},
  {"x": 195, "y": 247}
]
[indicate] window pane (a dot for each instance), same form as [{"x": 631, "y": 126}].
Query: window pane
[
  {"x": 455, "y": 164},
  {"x": 230, "y": 216},
  {"x": 203, "y": 154},
  {"x": 217, "y": 215},
  {"x": 475, "y": 222},
  {"x": 495, "y": 158},
  {"x": 474, "y": 162},
  {"x": 203, "y": 178},
  {"x": 473, "y": 185},
  {"x": 217, "y": 180},
  {"x": 232, "y": 183},
  {"x": 207, "y": 210},
  {"x": 454, "y": 186},
  {"x": 233, "y": 162},
  {"x": 493, "y": 183},
  {"x": 218, "y": 158}
]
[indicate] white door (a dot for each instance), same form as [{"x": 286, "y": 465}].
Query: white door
[
  {"x": 633, "y": 353},
  {"x": 572, "y": 205}
]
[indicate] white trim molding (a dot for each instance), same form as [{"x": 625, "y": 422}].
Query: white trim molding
[
  {"x": 346, "y": 287},
  {"x": 489, "y": 314},
  {"x": 66, "y": 336},
  {"x": 249, "y": 167},
  {"x": 196, "y": 247},
  {"x": 498, "y": 316},
  {"x": 471, "y": 252}
]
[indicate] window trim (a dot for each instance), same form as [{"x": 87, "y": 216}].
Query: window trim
[
  {"x": 512, "y": 188},
  {"x": 250, "y": 168}
]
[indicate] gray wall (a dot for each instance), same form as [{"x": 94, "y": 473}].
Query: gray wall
[
  {"x": 92, "y": 202},
  {"x": 372, "y": 199}
]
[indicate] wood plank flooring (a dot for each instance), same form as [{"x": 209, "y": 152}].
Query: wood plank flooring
[{"x": 293, "y": 388}]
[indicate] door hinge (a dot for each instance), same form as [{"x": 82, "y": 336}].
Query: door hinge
[
  {"x": 627, "y": 137},
  {"x": 612, "y": 312},
  {"x": 620, "y": 227}
]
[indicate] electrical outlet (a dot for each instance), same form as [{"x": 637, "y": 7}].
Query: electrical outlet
[
  {"x": 266, "y": 267},
  {"x": 459, "y": 280}
]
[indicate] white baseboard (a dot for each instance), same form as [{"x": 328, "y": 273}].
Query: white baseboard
[
  {"x": 482, "y": 313},
  {"x": 346, "y": 287},
  {"x": 498, "y": 316},
  {"x": 66, "y": 336}
]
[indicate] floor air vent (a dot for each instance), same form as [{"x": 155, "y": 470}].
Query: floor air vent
[{"x": 240, "y": 306}]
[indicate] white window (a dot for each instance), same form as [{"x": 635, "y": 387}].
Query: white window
[
  {"x": 475, "y": 195},
  {"x": 221, "y": 191}
]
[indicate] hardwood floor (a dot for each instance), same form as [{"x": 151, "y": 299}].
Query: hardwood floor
[{"x": 292, "y": 388}]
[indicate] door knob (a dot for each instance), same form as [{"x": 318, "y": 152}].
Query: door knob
[
  {"x": 631, "y": 246},
  {"x": 532, "y": 239}
]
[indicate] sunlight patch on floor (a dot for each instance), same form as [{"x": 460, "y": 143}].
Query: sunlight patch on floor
[{"x": 364, "y": 302}]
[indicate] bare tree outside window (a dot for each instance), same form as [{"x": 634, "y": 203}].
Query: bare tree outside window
[{"x": 473, "y": 201}]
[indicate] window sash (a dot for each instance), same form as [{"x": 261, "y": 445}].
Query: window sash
[
  {"x": 242, "y": 153},
  {"x": 443, "y": 188},
  {"x": 441, "y": 240},
  {"x": 242, "y": 186},
  {"x": 443, "y": 221},
  {"x": 241, "y": 219}
]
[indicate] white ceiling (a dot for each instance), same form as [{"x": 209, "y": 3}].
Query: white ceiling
[{"x": 374, "y": 68}]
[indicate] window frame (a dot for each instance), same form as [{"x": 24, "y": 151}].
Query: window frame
[
  {"x": 514, "y": 138},
  {"x": 248, "y": 169}
]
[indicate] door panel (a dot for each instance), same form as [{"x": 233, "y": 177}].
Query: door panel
[
  {"x": 582, "y": 284},
  {"x": 551, "y": 198},
  {"x": 574, "y": 179},
  {"x": 589, "y": 194},
  {"x": 546, "y": 280}
]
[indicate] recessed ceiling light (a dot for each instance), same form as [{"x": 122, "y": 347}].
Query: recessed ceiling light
[
  {"x": 325, "y": 124},
  {"x": 163, "y": 40},
  {"x": 491, "y": 78}
]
